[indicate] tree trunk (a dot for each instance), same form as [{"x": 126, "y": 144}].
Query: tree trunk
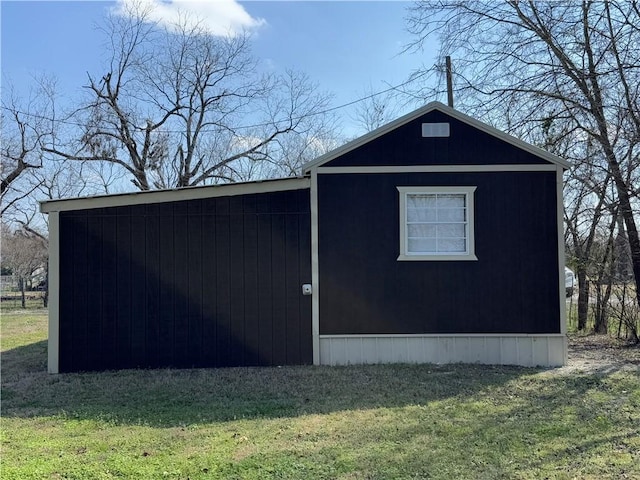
[
  {"x": 45, "y": 292},
  {"x": 602, "y": 310},
  {"x": 606, "y": 275},
  {"x": 627, "y": 213},
  {"x": 583, "y": 298},
  {"x": 622, "y": 187},
  {"x": 23, "y": 299}
]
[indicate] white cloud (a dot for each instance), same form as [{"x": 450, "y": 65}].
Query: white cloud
[{"x": 219, "y": 17}]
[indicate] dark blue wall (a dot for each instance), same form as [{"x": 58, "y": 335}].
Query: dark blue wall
[
  {"x": 512, "y": 288},
  {"x": 466, "y": 145},
  {"x": 199, "y": 283}
]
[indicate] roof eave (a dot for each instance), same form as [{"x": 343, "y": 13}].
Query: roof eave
[{"x": 176, "y": 194}]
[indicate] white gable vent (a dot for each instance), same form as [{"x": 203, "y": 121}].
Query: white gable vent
[{"x": 435, "y": 129}]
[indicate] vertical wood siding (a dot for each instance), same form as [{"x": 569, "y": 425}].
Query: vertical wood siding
[
  {"x": 511, "y": 288},
  {"x": 466, "y": 145},
  {"x": 199, "y": 283}
]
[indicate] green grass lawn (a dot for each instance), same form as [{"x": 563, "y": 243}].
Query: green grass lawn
[{"x": 362, "y": 422}]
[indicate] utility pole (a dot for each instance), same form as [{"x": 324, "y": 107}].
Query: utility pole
[{"x": 449, "y": 82}]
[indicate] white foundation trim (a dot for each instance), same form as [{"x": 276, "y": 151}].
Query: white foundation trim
[
  {"x": 547, "y": 350},
  {"x": 53, "y": 347}
]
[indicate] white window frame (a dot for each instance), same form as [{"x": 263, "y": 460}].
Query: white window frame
[{"x": 469, "y": 254}]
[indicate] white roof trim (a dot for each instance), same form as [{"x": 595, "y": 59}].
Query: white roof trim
[
  {"x": 458, "y": 168},
  {"x": 175, "y": 195},
  {"x": 352, "y": 145}
]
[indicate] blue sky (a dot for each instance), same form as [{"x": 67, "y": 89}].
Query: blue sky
[{"x": 348, "y": 48}]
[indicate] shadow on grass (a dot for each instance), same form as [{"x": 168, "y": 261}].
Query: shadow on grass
[
  {"x": 25, "y": 360},
  {"x": 167, "y": 398},
  {"x": 391, "y": 421}
]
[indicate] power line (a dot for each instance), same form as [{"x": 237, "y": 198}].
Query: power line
[{"x": 244, "y": 127}]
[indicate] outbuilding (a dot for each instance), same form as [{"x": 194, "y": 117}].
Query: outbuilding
[{"x": 433, "y": 239}]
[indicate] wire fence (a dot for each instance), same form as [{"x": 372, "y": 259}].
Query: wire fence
[
  {"x": 11, "y": 296},
  {"x": 616, "y": 314}
]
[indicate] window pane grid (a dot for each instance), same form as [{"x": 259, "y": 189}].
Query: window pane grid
[{"x": 436, "y": 223}]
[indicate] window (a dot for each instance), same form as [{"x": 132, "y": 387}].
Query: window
[{"x": 436, "y": 223}]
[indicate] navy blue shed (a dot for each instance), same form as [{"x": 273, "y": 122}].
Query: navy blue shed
[{"x": 435, "y": 238}]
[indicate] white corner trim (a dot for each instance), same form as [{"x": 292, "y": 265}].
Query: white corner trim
[
  {"x": 561, "y": 255},
  {"x": 315, "y": 274},
  {"x": 179, "y": 194},
  {"x": 529, "y": 350},
  {"x": 53, "y": 344},
  {"x": 437, "y": 169}
]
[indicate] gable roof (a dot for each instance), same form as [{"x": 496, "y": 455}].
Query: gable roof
[{"x": 378, "y": 132}]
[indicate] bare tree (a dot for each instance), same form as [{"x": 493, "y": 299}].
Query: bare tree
[
  {"x": 291, "y": 151},
  {"x": 376, "y": 109},
  {"x": 585, "y": 211},
  {"x": 24, "y": 252},
  {"x": 517, "y": 63},
  {"x": 29, "y": 174},
  {"x": 170, "y": 109},
  {"x": 25, "y": 127}
]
